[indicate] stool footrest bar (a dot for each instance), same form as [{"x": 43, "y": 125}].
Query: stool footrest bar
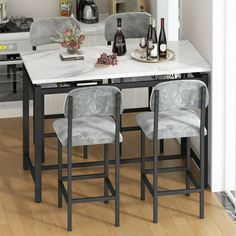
[
  {"x": 167, "y": 169},
  {"x": 85, "y": 177},
  {"x": 93, "y": 199},
  {"x": 178, "y": 191}
]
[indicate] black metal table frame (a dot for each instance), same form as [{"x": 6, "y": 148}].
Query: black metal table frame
[{"x": 39, "y": 93}]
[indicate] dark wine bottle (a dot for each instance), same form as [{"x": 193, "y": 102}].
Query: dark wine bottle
[
  {"x": 119, "y": 45},
  {"x": 149, "y": 39},
  {"x": 162, "y": 49},
  {"x": 154, "y": 51}
]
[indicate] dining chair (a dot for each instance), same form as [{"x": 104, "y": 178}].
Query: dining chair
[
  {"x": 134, "y": 26},
  {"x": 45, "y": 31},
  {"x": 92, "y": 116},
  {"x": 174, "y": 114}
]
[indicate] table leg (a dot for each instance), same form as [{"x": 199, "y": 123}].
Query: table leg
[
  {"x": 25, "y": 119},
  {"x": 38, "y": 142}
]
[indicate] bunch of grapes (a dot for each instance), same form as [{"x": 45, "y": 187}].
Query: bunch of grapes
[{"x": 105, "y": 59}]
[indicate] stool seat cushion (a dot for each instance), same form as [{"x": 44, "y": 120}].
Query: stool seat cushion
[
  {"x": 87, "y": 130},
  {"x": 172, "y": 124}
]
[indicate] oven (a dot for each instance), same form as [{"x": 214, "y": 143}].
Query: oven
[{"x": 14, "y": 38}]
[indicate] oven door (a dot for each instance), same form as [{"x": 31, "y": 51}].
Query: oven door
[
  {"x": 11, "y": 70},
  {"x": 10, "y": 78}
]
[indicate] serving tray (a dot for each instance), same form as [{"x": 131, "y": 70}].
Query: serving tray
[{"x": 140, "y": 55}]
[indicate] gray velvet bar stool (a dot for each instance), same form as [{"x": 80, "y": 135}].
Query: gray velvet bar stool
[
  {"x": 44, "y": 31},
  {"x": 175, "y": 106},
  {"x": 134, "y": 26},
  {"x": 92, "y": 116}
]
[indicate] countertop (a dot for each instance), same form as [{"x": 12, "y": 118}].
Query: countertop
[
  {"x": 46, "y": 67},
  {"x": 88, "y": 29}
]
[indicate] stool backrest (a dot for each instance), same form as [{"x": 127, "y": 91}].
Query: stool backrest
[
  {"x": 93, "y": 101},
  {"x": 44, "y": 31},
  {"x": 179, "y": 94},
  {"x": 134, "y": 25}
]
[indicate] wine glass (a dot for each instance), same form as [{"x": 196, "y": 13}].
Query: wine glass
[{"x": 143, "y": 43}]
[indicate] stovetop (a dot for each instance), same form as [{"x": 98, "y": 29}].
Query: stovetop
[{"x": 16, "y": 24}]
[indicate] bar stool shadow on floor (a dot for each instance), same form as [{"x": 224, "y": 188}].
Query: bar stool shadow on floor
[
  {"x": 92, "y": 116},
  {"x": 175, "y": 106}
]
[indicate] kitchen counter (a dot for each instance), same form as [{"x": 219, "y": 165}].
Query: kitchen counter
[{"x": 88, "y": 29}]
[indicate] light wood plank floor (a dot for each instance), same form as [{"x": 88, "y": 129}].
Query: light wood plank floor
[{"x": 19, "y": 215}]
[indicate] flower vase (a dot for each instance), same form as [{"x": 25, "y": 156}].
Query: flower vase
[{"x": 71, "y": 50}]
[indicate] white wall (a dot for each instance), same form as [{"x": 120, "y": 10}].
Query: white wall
[
  {"x": 196, "y": 25},
  {"x": 230, "y": 102},
  {"x": 203, "y": 22},
  {"x": 43, "y": 8}
]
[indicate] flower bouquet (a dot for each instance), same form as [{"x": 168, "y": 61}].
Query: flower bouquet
[{"x": 71, "y": 39}]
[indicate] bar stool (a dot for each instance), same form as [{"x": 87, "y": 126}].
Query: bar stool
[
  {"x": 92, "y": 116},
  {"x": 174, "y": 108},
  {"x": 45, "y": 31},
  {"x": 134, "y": 26}
]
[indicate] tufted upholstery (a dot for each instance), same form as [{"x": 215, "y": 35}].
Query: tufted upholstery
[
  {"x": 93, "y": 112},
  {"x": 179, "y": 94},
  {"x": 171, "y": 124},
  {"x": 87, "y": 130},
  {"x": 93, "y": 101},
  {"x": 179, "y": 102},
  {"x": 43, "y": 31}
]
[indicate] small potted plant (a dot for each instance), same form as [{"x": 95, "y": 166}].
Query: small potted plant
[{"x": 71, "y": 39}]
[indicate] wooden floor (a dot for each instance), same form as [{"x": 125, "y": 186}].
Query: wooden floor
[{"x": 19, "y": 215}]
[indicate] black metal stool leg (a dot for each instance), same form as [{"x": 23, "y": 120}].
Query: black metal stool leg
[
  {"x": 155, "y": 157},
  {"x": 69, "y": 188},
  {"x": 59, "y": 173},
  {"x": 117, "y": 184},
  {"x": 187, "y": 164},
  {"x": 142, "y": 165},
  {"x": 106, "y": 169},
  {"x": 202, "y": 171},
  {"x": 155, "y": 182},
  {"x": 202, "y": 151}
]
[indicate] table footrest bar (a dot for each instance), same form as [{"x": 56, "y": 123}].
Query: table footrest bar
[
  {"x": 178, "y": 191},
  {"x": 54, "y": 116},
  {"x": 93, "y": 199},
  {"x": 63, "y": 190},
  {"x": 192, "y": 178},
  {"x": 85, "y": 177},
  {"x": 132, "y": 128},
  {"x": 148, "y": 184},
  {"x": 138, "y": 109},
  {"x": 110, "y": 186},
  {"x": 50, "y": 135},
  {"x": 167, "y": 169},
  {"x": 122, "y": 161}
]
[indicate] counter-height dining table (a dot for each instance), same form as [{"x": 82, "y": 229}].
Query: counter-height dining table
[{"x": 44, "y": 73}]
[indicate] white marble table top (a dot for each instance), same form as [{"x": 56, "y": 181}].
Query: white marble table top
[{"x": 46, "y": 67}]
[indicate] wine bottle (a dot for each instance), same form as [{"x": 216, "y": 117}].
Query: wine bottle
[
  {"x": 149, "y": 38},
  {"x": 162, "y": 40},
  {"x": 119, "y": 45},
  {"x": 154, "y": 51}
]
